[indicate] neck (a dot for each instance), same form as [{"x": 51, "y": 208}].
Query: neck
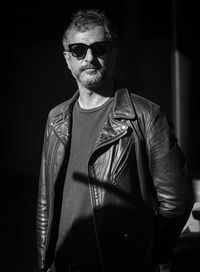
[{"x": 89, "y": 99}]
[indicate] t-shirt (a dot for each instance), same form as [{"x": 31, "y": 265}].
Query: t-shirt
[{"x": 76, "y": 239}]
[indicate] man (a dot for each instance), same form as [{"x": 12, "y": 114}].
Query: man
[{"x": 114, "y": 193}]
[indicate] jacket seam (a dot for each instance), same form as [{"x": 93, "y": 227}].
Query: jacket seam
[{"x": 151, "y": 121}]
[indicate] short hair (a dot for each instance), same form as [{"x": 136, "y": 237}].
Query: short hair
[{"x": 84, "y": 20}]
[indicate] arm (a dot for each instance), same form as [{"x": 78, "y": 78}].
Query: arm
[
  {"x": 172, "y": 182},
  {"x": 42, "y": 208}
]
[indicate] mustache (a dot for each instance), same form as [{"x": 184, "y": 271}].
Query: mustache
[{"x": 90, "y": 66}]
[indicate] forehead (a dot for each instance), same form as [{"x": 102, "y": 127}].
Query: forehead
[{"x": 90, "y": 36}]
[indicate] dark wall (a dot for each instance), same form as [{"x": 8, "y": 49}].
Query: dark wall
[{"x": 35, "y": 78}]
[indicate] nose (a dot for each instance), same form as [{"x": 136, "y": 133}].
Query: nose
[{"x": 89, "y": 55}]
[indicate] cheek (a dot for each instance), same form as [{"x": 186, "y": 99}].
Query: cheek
[
  {"x": 72, "y": 65},
  {"x": 69, "y": 64}
]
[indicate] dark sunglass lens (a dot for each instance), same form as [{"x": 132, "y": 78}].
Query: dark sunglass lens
[
  {"x": 100, "y": 49},
  {"x": 78, "y": 50}
]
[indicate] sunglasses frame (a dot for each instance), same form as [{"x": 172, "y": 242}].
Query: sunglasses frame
[{"x": 90, "y": 46}]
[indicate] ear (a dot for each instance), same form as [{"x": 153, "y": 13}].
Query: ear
[{"x": 67, "y": 58}]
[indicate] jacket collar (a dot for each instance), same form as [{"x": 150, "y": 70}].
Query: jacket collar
[
  {"x": 122, "y": 110},
  {"x": 115, "y": 125}
]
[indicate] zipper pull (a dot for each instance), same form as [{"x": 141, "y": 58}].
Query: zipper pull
[{"x": 114, "y": 180}]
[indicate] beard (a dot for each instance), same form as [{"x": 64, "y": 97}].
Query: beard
[{"x": 91, "y": 77}]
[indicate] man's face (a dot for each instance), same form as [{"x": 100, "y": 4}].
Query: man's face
[{"x": 91, "y": 71}]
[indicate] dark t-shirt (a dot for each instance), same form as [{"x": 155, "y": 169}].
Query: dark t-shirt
[{"x": 76, "y": 239}]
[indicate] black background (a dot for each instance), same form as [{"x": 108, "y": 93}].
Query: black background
[{"x": 36, "y": 78}]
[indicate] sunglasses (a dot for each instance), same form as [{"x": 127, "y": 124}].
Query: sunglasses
[{"x": 99, "y": 49}]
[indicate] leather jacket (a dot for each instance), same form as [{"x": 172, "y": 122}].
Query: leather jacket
[{"x": 136, "y": 165}]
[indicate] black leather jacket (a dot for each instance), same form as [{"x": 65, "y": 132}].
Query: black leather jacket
[{"x": 136, "y": 165}]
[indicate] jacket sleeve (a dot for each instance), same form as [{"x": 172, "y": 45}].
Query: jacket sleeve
[
  {"x": 171, "y": 180},
  {"x": 42, "y": 206}
]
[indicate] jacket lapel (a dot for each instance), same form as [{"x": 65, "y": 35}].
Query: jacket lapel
[
  {"x": 123, "y": 108},
  {"x": 62, "y": 121},
  {"x": 115, "y": 125}
]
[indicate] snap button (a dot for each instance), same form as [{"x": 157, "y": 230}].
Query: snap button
[{"x": 126, "y": 235}]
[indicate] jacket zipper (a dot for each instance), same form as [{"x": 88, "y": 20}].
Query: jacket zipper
[
  {"x": 115, "y": 175},
  {"x": 94, "y": 197},
  {"x": 93, "y": 194}
]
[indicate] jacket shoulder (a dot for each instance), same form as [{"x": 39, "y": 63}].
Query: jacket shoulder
[
  {"x": 62, "y": 108},
  {"x": 143, "y": 105},
  {"x": 146, "y": 111},
  {"x": 58, "y": 109}
]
